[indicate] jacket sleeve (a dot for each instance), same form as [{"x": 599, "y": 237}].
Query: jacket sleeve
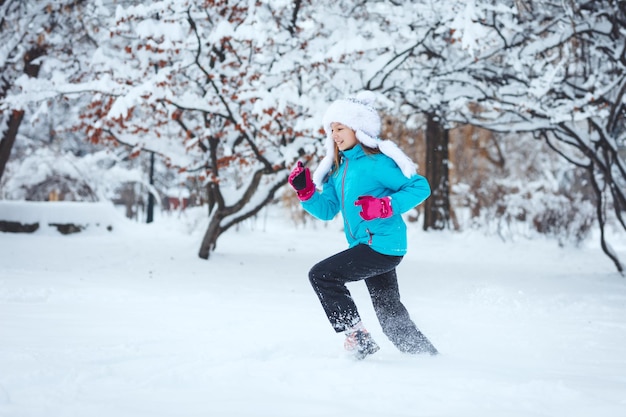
[
  {"x": 405, "y": 193},
  {"x": 324, "y": 205}
]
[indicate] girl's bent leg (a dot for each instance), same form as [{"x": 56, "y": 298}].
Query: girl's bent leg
[{"x": 329, "y": 278}]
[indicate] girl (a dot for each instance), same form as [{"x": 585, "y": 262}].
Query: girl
[{"x": 371, "y": 182}]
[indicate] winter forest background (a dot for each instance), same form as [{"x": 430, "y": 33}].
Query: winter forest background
[{"x": 514, "y": 110}]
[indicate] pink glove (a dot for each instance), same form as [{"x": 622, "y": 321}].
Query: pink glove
[
  {"x": 300, "y": 180},
  {"x": 374, "y": 208}
]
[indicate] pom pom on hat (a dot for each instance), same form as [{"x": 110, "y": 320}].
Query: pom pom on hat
[{"x": 359, "y": 114}]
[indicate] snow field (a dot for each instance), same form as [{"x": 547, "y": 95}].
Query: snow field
[{"x": 133, "y": 323}]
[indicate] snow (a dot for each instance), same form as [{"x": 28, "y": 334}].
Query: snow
[{"x": 133, "y": 323}]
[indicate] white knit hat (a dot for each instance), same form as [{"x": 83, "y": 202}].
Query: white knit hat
[{"x": 359, "y": 115}]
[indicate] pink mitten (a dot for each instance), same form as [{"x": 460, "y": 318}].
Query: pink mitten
[
  {"x": 300, "y": 180},
  {"x": 374, "y": 208}
]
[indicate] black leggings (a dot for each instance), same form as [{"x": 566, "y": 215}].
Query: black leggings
[{"x": 329, "y": 278}]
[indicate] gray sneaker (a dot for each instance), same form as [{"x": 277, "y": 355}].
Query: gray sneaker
[{"x": 360, "y": 342}]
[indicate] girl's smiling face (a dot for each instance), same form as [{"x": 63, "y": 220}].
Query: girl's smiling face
[{"x": 343, "y": 136}]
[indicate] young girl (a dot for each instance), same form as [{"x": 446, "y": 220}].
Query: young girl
[{"x": 371, "y": 182}]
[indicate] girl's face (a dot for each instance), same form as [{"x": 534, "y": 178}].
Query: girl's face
[{"x": 343, "y": 136}]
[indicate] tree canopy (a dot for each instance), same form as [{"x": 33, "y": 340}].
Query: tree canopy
[{"x": 231, "y": 93}]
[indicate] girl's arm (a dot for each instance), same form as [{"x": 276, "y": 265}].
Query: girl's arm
[
  {"x": 406, "y": 193},
  {"x": 324, "y": 205}
]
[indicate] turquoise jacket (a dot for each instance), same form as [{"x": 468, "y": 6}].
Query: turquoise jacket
[{"x": 377, "y": 175}]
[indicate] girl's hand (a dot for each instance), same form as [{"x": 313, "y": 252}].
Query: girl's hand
[
  {"x": 300, "y": 180},
  {"x": 374, "y": 208}
]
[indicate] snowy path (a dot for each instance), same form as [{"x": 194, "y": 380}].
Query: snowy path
[{"x": 134, "y": 324}]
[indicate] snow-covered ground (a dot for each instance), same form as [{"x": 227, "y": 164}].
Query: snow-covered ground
[{"x": 132, "y": 323}]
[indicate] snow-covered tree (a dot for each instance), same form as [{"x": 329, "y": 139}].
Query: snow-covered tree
[
  {"x": 227, "y": 92},
  {"x": 562, "y": 75},
  {"x": 549, "y": 67},
  {"x": 426, "y": 69},
  {"x": 24, "y": 28},
  {"x": 44, "y": 44},
  {"x": 231, "y": 93},
  {"x": 222, "y": 90}
]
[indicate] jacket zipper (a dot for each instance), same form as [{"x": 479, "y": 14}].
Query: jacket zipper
[{"x": 343, "y": 198}]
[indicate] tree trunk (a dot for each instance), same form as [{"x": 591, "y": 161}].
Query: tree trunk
[
  {"x": 15, "y": 120},
  {"x": 606, "y": 173},
  {"x": 7, "y": 141},
  {"x": 223, "y": 217},
  {"x": 601, "y": 216},
  {"x": 150, "y": 214},
  {"x": 437, "y": 207},
  {"x": 209, "y": 240}
]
